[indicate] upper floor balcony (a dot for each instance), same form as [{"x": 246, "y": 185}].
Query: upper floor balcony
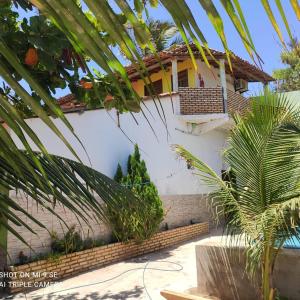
[
  {"x": 203, "y": 93},
  {"x": 199, "y": 101},
  {"x": 205, "y": 109}
]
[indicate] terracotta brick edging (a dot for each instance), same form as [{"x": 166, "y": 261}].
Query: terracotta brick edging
[{"x": 35, "y": 274}]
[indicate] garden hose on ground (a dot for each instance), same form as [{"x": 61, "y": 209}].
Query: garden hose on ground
[{"x": 146, "y": 267}]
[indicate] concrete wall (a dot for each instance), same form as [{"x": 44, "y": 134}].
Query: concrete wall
[
  {"x": 179, "y": 210},
  {"x": 106, "y": 145},
  {"x": 40, "y": 242},
  {"x": 221, "y": 273},
  {"x": 186, "y": 209}
]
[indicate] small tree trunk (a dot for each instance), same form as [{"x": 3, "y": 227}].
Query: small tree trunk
[{"x": 267, "y": 275}]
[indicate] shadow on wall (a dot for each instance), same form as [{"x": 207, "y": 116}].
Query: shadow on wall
[{"x": 221, "y": 273}]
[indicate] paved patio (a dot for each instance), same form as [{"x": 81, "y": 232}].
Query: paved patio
[{"x": 137, "y": 278}]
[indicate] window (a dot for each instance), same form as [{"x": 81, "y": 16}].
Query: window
[
  {"x": 183, "y": 79},
  {"x": 157, "y": 87}
]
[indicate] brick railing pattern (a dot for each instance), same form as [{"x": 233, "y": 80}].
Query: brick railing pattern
[
  {"x": 194, "y": 101},
  {"x": 75, "y": 263},
  {"x": 237, "y": 103}
]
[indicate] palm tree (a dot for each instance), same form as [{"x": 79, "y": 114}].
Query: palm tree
[
  {"x": 262, "y": 204},
  {"x": 162, "y": 34},
  {"x": 95, "y": 35},
  {"x": 61, "y": 182},
  {"x": 288, "y": 79}
]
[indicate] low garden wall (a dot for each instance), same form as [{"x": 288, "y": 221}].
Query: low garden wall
[
  {"x": 180, "y": 210},
  {"x": 34, "y": 274},
  {"x": 221, "y": 272}
]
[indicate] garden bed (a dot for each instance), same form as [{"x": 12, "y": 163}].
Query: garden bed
[{"x": 43, "y": 272}]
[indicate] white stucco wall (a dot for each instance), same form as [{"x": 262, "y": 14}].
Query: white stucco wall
[
  {"x": 181, "y": 191},
  {"x": 106, "y": 145},
  {"x": 211, "y": 77}
]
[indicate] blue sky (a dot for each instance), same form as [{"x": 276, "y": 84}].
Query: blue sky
[{"x": 265, "y": 39}]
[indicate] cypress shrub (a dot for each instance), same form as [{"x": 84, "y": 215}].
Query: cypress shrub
[{"x": 139, "y": 220}]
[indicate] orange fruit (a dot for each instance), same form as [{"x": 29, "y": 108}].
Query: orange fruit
[
  {"x": 109, "y": 98},
  {"x": 31, "y": 57},
  {"x": 87, "y": 85}
]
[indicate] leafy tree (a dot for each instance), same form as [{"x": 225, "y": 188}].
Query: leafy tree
[
  {"x": 138, "y": 223},
  {"x": 288, "y": 79},
  {"x": 262, "y": 204},
  {"x": 51, "y": 59},
  {"x": 42, "y": 48}
]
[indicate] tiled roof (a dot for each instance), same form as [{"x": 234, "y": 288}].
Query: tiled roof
[
  {"x": 241, "y": 68},
  {"x": 69, "y": 103}
]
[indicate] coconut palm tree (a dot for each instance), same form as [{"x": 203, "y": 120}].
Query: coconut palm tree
[
  {"x": 262, "y": 204},
  {"x": 162, "y": 34},
  {"x": 288, "y": 79}
]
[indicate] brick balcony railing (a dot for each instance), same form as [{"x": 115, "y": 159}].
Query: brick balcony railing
[{"x": 195, "y": 101}]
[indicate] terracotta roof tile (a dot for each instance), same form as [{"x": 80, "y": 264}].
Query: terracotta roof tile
[
  {"x": 70, "y": 103},
  {"x": 241, "y": 68}
]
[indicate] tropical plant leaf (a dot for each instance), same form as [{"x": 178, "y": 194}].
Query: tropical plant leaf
[
  {"x": 283, "y": 16},
  {"x": 260, "y": 206},
  {"x": 273, "y": 21},
  {"x": 217, "y": 22},
  {"x": 74, "y": 185},
  {"x": 296, "y": 7},
  {"x": 239, "y": 27}
]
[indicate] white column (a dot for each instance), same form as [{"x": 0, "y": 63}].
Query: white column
[
  {"x": 223, "y": 82},
  {"x": 197, "y": 72},
  {"x": 174, "y": 75}
]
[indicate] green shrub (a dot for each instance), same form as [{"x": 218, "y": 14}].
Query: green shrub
[
  {"x": 98, "y": 243},
  {"x": 72, "y": 242},
  {"x": 57, "y": 244},
  {"x": 23, "y": 259},
  {"x": 88, "y": 243},
  {"x": 141, "y": 219}
]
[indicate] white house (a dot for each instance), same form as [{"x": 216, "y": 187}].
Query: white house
[{"x": 197, "y": 117}]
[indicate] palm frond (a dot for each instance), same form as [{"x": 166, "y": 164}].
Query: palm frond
[
  {"x": 263, "y": 153},
  {"x": 83, "y": 190}
]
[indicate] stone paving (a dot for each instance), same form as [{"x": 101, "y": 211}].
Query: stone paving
[{"x": 129, "y": 279}]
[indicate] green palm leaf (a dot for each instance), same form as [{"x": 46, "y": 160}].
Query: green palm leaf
[
  {"x": 272, "y": 19},
  {"x": 262, "y": 204},
  {"x": 296, "y": 7},
  {"x": 282, "y": 13},
  {"x": 68, "y": 183}
]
